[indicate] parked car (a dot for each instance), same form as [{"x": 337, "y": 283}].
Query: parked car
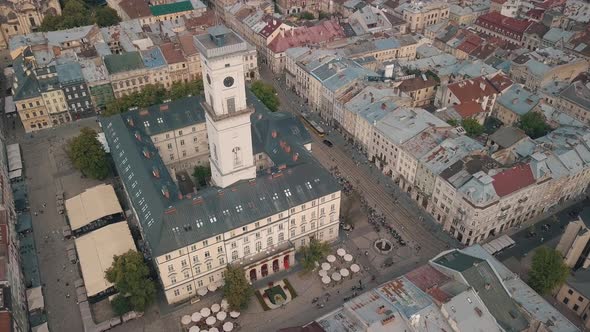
[{"x": 328, "y": 143}]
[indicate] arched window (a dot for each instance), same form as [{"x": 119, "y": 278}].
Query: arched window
[{"x": 237, "y": 156}]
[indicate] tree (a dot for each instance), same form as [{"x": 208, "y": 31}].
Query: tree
[
  {"x": 153, "y": 94},
  {"x": 313, "y": 253},
  {"x": 202, "y": 174},
  {"x": 267, "y": 95},
  {"x": 533, "y": 124},
  {"x": 237, "y": 291},
  {"x": 548, "y": 270},
  {"x": 322, "y": 15},
  {"x": 306, "y": 16},
  {"x": 129, "y": 273},
  {"x": 453, "y": 122},
  {"x": 88, "y": 155},
  {"x": 120, "y": 305},
  {"x": 472, "y": 127},
  {"x": 106, "y": 16}
]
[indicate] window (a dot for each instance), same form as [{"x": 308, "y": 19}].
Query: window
[
  {"x": 170, "y": 268},
  {"x": 211, "y": 278},
  {"x": 219, "y": 249},
  {"x": 234, "y": 255},
  {"x": 258, "y": 246},
  {"x": 281, "y": 237},
  {"x": 293, "y": 232},
  {"x": 269, "y": 242},
  {"x": 218, "y": 238},
  {"x": 566, "y": 300},
  {"x": 246, "y": 239},
  {"x": 576, "y": 307},
  {"x": 198, "y": 269},
  {"x": 168, "y": 257},
  {"x": 231, "y": 105},
  {"x": 258, "y": 235},
  {"x": 207, "y": 254},
  {"x": 183, "y": 263},
  {"x": 246, "y": 250},
  {"x": 580, "y": 299},
  {"x": 173, "y": 280},
  {"x": 199, "y": 283},
  {"x": 189, "y": 288},
  {"x": 176, "y": 292},
  {"x": 195, "y": 259},
  {"x": 570, "y": 292},
  {"x": 205, "y": 243},
  {"x": 208, "y": 265},
  {"x": 221, "y": 261},
  {"x": 186, "y": 275}
]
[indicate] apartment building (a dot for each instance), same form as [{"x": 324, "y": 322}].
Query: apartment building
[
  {"x": 192, "y": 56},
  {"x": 543, "y": 66},
  {"x": 575, "y": 296},
  {"x": 24, "y": 16},
  {"x": 27, "y": 97},
  {"x": 53, "y": 96},
  {"x": 573, "y": 244},
  {"x": 75, "y": 90},
  {"x": 480, "y": 89},
  {"x": 420, "y": 15},
  {"x": 575, "y": 101},
  {"x": 508, "y": 8},
  {"x": 127, "y": 73},
  {"x": 421, "y": 89},
  {"x": 514, "y": 103},
  {"x": 254, "y": 222},
  {"x": 478, "y": 198},
  {"x": 506, "y": 28},
  {"x": 177, "y": 63}
]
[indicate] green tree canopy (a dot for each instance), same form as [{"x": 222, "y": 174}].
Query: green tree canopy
[
  {"x": 472, "y": 127},
  {"x": 316, "y": 251},
  {"x": 120, "y": 305},
  {"x": 153, "y": 94},
  {"x": 453, "y": 122},
  {"x": 130, "y": 275},
  {"x": 267, "y": 95},
  {"x": 533, "y": 124},
  {"x": 237, "y": 291},
  {"x": 88, "y": 155},
  {"x": 548, "y": 270},
  {"x": 76, "y": 13},
  {"x": 202, "y": 174},
  {"x": 306, "y": 16}
]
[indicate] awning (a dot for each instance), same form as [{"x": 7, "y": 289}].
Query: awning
[
  {"x": 93, "y": 204},
  {"x": 35, "y": 299}
]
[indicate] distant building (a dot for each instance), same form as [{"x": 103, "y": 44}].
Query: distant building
[
  {"x": 575, "y": 295},
  {"x": 504, "y": 27},
  {"x": 574, "y": 244},
  {"x": 24, "y": 16},
  {"x": 420, "y": 15},
  {"x": 514, "y": 103},
  {"x": 575, "y": 101}
]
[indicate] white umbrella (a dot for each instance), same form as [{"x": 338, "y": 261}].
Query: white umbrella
[
  {"x": 222, "y": 315},
  {"x": 331, "y": 258},
  {"x": 336, "y": 276},
  {"x": 344, "y": 272},
  {"x": 215, "y": 307},
  {"x": 202, "y": 291},
  {"x": 212, "y": 287},
  {"x": 228, "y": 326},
  {"x": 348, "y": 257},
  {"x": 194, "y": 329},
  {"x": 326, "y": 280},
  {"x": 224, "y": 305},
  {"x": 196, "y": 317},
  {"x": 214, "y": 329},
  {"x": 185, "y": 320},
  {"x": 234, "y": 314},
  {"x": 211, "y": 321},
  {"x": 341, "y": 252},
  {"x": 325, "y": 266},
  {"x": 323, "y": 273},
  {"x": 205, "y": 312},
  {"x": 355, "y": 268}
]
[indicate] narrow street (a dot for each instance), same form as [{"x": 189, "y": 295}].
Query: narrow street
[{"x": 403, "y": 214}]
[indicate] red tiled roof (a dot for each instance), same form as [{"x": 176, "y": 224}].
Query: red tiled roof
[
  {"x": 426, "y": 277},
  {"x": 187, "y": 44},
  {"x": 482, "y": 52},
  {"x": 321, "y": 33},
  {"x": 550, "y": 4},
  {"x": 135, "y": 8},
  {"x": 272, "y": 24},
  {"x": 513, "y": 179},
  {"x": 5, "y": 320},
  {"x": 172, "y": 53},
  {"x": 501, "y": 2},
  {"x": 501, "y": 82},
  {"x": 206, "y": 20},
  {"x": 502, "y": 24},
  {"x": 468, "y": 109},
  {"x": 535, "y": 13},
  {"x": 472, "y": 89}
]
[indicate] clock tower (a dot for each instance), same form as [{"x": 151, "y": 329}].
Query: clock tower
[{"x": 227, "y": 115}]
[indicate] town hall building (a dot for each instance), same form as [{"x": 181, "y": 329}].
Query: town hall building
[{"x": 268, "y": 195}]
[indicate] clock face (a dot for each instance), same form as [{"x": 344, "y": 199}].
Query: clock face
[
  {"x": 208, "y": 79},
  {"x": 228, "y": 81}
]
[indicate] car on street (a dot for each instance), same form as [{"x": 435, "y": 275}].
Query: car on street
[{"x": 328, "y": 143}]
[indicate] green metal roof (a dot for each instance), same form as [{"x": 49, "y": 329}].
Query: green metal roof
[
  {"x": 180, "y": 113},
  {"x": 117, "y": 63},
  {"x": 170, "y": 221},
  {"x": 171, "y": 8},
  {"x": 27, "y": 85}
]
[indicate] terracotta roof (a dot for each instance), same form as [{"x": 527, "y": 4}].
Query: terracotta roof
[
  {"x": 272, "y": 24},
  {"x": 501, "y": 82},
  {"x": 206, "y": 20},
  {"x": 535, "y": 13},
  {"x": 501, "y": 2},
  {"x": 417, "y": 83},
  {"x": 502, "y": 24},
  {"x": 472, "y": 89},
  {"x": 320, "y": 33},
  {"x": 172, "y": 53},
  {"x": 513, "y": 179},
  {"x": 187, "y": 45},
  {"x": 482, "y": 52},
  {"x": 135, "y": 8},
  {"x": 468, "y": 109},
  {"x": 537, "y": 29}
]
